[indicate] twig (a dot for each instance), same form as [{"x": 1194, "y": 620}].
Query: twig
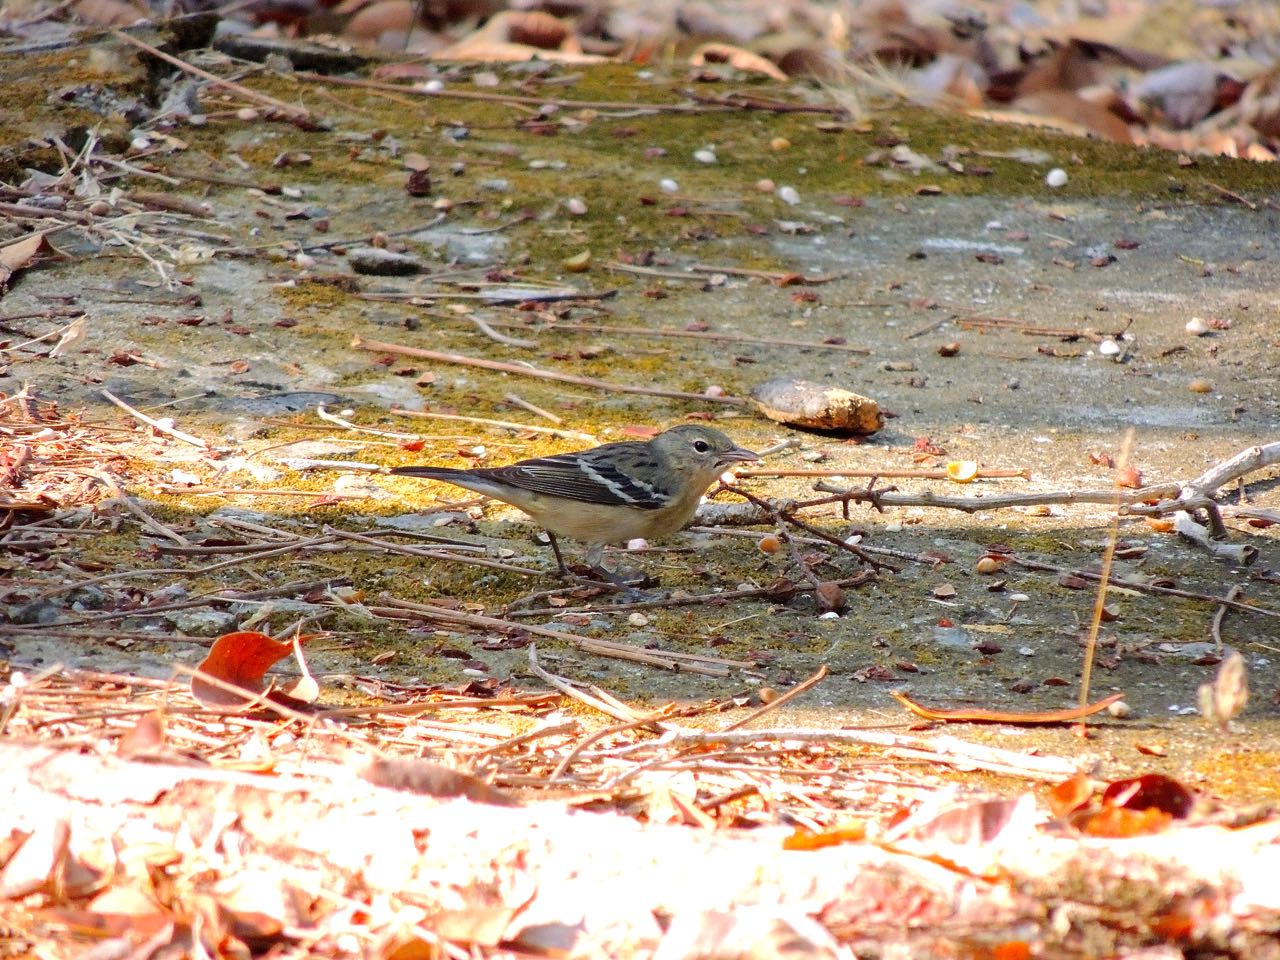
[
  {"x": 524, "y": 404},
  {"x": 777, "y": 591},
  {"x": 155, "y": 424},
  {"x": 569, "y": 690},
  {"x": 981, "y": 502},
  {"x": 988, "y": 473},
  {"x": 780, "y": 514},
  {"x": 504, "y": 424},
  {"x": 297, "y": 113},
  {"x": 689, "y": 334},
  {"x": 377, "y": 346},
  {"x": 1146, "y": 587},
  {"x": 773, "y": 275},
  {"x": 666, "y": 659},
  {"x": 800, "y": 688},
  {"x": 1215, "y": 625},
  {"x": 497, "y": 337},
  {"x": 508, "y": 98},
  {"x": 979, "y": 715},
  {"x": 1108, "y": 557},
  {"x": 1231, "y": 195},
  {"x": 430, "y": 554}
]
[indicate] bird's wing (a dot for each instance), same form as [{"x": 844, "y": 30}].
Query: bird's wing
[{"x": 576, "y": 476}]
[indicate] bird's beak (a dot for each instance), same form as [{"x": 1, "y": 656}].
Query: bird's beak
[{"x": 737, "y": 455}]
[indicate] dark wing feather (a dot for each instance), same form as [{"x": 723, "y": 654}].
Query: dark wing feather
[{"x": 589, "y": 478}]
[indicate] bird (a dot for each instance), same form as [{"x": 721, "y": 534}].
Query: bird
[{"x": 612, "y": 493}]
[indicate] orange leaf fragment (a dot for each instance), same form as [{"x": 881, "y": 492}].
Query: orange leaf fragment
[
  {"x": 240, "y": 659},
  {"x": 1070, "y": 795},
  {"x": 961, "y": 471},
  {"x": 855, "y": 831}
]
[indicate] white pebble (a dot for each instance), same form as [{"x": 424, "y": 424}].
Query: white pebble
[
  {"x": 704, "y": 156},
  {"x": 432, "y": 86},
  {"x": 638, "y": 620},
  {"x": 304, "y": 260},
  {"x": 789, "y": 195},
  {"x": 1018, "y": 598},
  {"x": 765, "y": 185},
  {"x": 829, "y": 615},
  {"x": 1026, "y": 651},
  {"x": 637, "y": 543},
  {"x": 1109, "y": 348},
  {"x": 576, "y": 206},
  {"x": 1197, "y": 327},
  {"x": 1057, "y": 177},
  {"x": 1119, "y": 710},
  {"x": 247, "y": 114},
  {"x": 667, "y": 185},
  {"x": 138, "y": 144},
  {"x": 713, "y": 391}
]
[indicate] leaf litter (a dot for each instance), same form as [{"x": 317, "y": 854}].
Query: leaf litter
[{"x": 205, "y": 863}]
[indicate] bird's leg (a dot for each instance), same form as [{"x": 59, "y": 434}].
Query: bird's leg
[{"x": 555, "y": 548}]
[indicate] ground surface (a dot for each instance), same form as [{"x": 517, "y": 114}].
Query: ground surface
[{"x": 1136, "y": 243}]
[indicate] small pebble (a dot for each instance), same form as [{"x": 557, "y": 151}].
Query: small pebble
[
  {"x": 139, "y": 144},
  {"x": 769, "y": 544},
  {"x": 948, "y": 349},
  {"x": 1026, "y": 651},
  {"x": 637, "y": 543},
  {"x": 99, "y": 208},
  {"x": 1197, "y": 327},
  {"x": 1200, "y": 386},
  {"x": 988, "y": 565},
  {"x": 432, "y": 86},
  {"x": 779, "y": 143},
  {"x": 704, "y": 156},
  {"x": 714, "y": 391},
  {"x": 789, "y": 195},
  {"x": 638, "y": 620},
  {"x": 1018, "y": 598},
  {"x": 766, "y": 694},
  {"x": 667, "y": 185},
  {"x": 765, "y": 185},
  {"x": 576, "y": 206},
  {"x": 1119, "y": 710},
  {"x": 247, "y": 114},
  {"x": 1109, "y": 348},
  {"x": 304, "y": 260},
  {"x": 1057, "y": 177}
]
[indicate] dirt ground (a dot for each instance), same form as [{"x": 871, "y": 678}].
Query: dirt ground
[{"x": 240, "y": 328}]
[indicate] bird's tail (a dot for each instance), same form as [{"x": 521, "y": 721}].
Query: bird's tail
[{"x": 429, "y": 473}]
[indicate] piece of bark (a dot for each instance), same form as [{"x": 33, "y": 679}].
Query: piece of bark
[{"x": 803, "y": 403}]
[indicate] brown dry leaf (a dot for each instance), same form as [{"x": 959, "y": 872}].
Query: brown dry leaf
[
  {"x": 520, "y": 35},
  {"x": 21, "y": 254},
  {"x": 1070, "y": 795},
  {"x": 375, "y": 19},
  {"x": 39, "y": 863},
  {"x": 1153, "y": 791},
  {"x": 433, "y": 780},
  {"x": 240, "y": 659},
  {"x": 1076, "y": 114},
  {"x": 110, "y": 13},
  {"x": 974, "y": 823},
  {"x": 736, "y": 57},
  {"x": 144, "y": 738}
]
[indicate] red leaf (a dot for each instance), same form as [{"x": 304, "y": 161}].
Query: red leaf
[{"x": 240, "y": 659}]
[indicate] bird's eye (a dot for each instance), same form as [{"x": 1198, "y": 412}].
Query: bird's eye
[{"x": 701, "y": 446}]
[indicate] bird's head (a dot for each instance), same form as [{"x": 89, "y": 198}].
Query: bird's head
[{"x": 700, "y": 449}]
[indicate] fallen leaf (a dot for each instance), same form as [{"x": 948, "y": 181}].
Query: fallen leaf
[
  {"x": 21, "y": 254},
  {"x": 240, "y": 659}
]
